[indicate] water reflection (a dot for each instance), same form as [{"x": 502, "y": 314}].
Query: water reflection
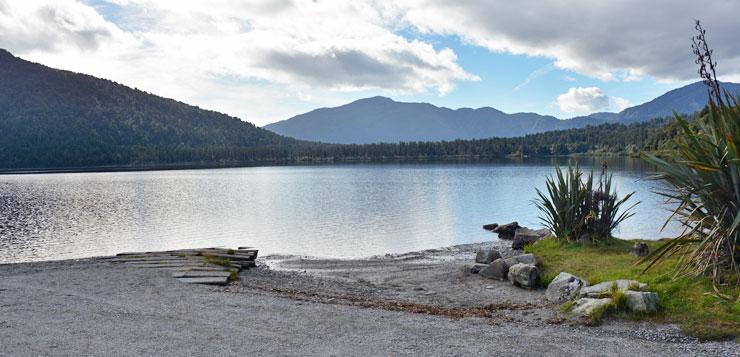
[{"x": 332, "y": 210}]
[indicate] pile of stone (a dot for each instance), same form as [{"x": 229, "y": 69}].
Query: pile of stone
[
  {"x": 520, "y": 270},
  {"x": 589, "y": 298},
  {"x": 520, "y": 236}
]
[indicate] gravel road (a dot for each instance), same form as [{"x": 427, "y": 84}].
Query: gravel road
[{"x": 415, "y": 303}]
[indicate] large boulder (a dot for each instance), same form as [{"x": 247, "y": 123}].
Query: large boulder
[
  {"x": 587, "y": 306},
  {"x": 476, "y": 268},
  {"x": 507, "y": 231},
  {"x": 524, "y": 236},
  {"x": 641, "y": 301},
  {"x": 564, "y": 287},
  {"x": 640, "y": 249},
  {"x": 498, "y": 269},
  {"x": 486, "y": 256},
  {"x": 523, "y": 258},
  {"x": 605, "y": 288},
  {"x": 524, "y": 275}
]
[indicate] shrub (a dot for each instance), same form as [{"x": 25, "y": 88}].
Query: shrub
[
  {"x": 703, "y": 175},
  {"x": 574, "y": 210}
]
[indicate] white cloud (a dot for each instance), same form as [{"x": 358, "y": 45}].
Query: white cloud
[
  {"x": 537, "y": 73},
  {"x": 608, "y": 40},
  {"x": 620, "y": 104},
  {"x": 260, "y": 56},
  {"x": 179, "y": 48},
  {"x": 582, "y": 100}
]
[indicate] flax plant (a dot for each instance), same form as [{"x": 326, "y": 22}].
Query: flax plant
[{"x": 703, "y": 176}]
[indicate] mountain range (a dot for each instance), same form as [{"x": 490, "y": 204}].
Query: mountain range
[{"x": 381, "y": 119}]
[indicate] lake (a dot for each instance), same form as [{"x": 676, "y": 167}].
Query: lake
[{"x": 341, "y": 211}]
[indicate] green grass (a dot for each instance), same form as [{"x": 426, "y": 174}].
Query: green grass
[
  {"x": 216, "y": 260},
  {"x": 689, "y": 302}
]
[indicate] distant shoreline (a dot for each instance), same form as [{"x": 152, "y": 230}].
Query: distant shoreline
[{"x": 203, "y": 166}]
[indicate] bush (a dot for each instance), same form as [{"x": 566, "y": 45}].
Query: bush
[
  {"x": 575, "y": 211},
  {"x": 703, "y": 174}
]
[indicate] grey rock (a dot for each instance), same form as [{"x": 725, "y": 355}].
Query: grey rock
[
  {"x": 584, "y": 239},
  {"x": 641, "y": 301},
  {"x": 498, "y": 269},
  {"x": 523, "y": 258},
  {"x": 564, "y": 287},
  {"x": 605, "y": 288},
  {"x": 486, "y": 256},
  {"x": 490, "y": 227},
  {"x": 587, "y": 306},
  {"x": 524, "y": 275},
  {"x": 476, "y": 268},
  {"x": 507, "y": 231},
  {"x": 524, "y": 236},
  {"x": 640, "y": 249}
]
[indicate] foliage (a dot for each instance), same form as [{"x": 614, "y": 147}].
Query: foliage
[
  {"x": 686, "y": 301},
  {"x": 575, "y": 210},
  {"x": 703, "y": 174}
]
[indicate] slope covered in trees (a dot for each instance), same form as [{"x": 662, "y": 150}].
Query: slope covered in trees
[{"x": 52, "y": 118}]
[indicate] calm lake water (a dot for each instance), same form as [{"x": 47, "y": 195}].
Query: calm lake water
[{"x": 330, "y": 210}]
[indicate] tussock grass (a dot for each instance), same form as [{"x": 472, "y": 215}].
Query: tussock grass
[{"x": 688, "y": 301}]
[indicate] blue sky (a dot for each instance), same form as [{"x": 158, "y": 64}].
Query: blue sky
[{"x": 267, "y": 60}]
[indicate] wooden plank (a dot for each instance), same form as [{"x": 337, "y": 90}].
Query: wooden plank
[
  {"x": 249, "y": 264},
  {"x": 203, "y": 268},
  {"x": 232, "y": 257},
  {"x": 205, "y": 280},
  {"x": 148, "y": 265},
  {"x": 155, "y": 260},
  {"x": 200, "y": 274}
]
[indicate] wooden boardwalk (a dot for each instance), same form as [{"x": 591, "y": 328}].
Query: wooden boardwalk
[{"x": 213, "y": 266}]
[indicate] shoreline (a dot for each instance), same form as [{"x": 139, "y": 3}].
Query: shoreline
[
  {"x": 299, "y": 162},
  {"x": 415, "y": 302}
]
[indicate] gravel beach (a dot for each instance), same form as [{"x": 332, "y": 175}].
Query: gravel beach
[{"x": 414, "y": 303}]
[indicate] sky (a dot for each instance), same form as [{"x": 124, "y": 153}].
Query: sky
[{"x": 265, "y": 61}]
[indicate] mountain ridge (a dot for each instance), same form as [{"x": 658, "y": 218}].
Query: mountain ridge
[{"x": 381, "y": 119}]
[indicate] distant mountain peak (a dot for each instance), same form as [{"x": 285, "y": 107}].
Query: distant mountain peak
[{"x": 381, "y": 119}]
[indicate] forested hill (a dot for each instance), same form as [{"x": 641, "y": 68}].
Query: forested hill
[{"x": 55, "y": 118}]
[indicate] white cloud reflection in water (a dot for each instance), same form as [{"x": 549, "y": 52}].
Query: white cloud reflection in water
[{"x": 332, "y": 211}]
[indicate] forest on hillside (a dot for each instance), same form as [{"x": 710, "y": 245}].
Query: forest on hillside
[{"x": 606, "y": 139}]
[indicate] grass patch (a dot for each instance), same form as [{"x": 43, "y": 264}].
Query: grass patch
[
  {"x": 217, "y": 261},
  {"x": 689, "y": 302}
]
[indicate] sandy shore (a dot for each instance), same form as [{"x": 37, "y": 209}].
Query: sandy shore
[{"x": 414, "y": 303}]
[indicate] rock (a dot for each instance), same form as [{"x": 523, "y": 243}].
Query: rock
[
  {"x": 584, "y": 239},
  {"x": 605, "y": 288},
  {"x": 523, "y": 258},
  {"x": 476, "y": 268},
  {"x": 564, "y": 287},
  {"x": 524, "y": 275},
  {"x": 486, "y": 256},
  {"x": 641, "y": 301},
  {"x": 587, "y": 306},
  {"x": 507, "y": 231},
  {"x": 524, "y": 236},
  {"x": 490, "y": 227},
  {"x": 498, "y": 269},
  {"x": 640, "y": 249}
]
